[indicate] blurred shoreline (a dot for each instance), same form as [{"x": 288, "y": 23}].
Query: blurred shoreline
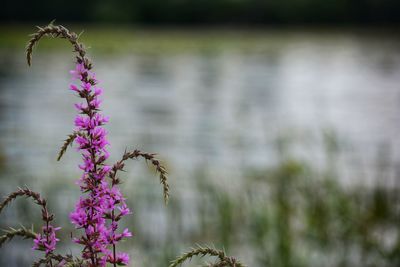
[{"x": 175, "y": 39}]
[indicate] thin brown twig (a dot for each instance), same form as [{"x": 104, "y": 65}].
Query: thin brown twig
[
  {"x": 223, "y": 260},
  {"x": 67, "y": 142},
  {"x": 119, "y": 166},
  {"x": 11, "y": 233},
  {"x": 58, "y": 31},
  {"x": 24, "y": 192},
  {"x": 62, "y": 260}
]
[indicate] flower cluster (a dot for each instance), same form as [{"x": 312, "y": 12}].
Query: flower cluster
[
  {"x": 46, "y": 241},
  {"x": 102, "y": 204}
]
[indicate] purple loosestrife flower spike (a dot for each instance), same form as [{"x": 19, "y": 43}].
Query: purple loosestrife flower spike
[
  {"x": 100, "y": 199},
  {"x": 101, "y": 205},
  {"x": 95, "y": 212},
  {"x": 45, "y": 241}
]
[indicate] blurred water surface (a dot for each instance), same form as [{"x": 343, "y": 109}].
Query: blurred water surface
[{"x": 215, "y": 116}]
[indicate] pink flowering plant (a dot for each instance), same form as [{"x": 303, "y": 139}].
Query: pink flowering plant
[{"x": 101, "y": 206}]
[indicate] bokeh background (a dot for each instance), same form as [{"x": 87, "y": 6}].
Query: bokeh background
[{"x": 278, "y": 121}]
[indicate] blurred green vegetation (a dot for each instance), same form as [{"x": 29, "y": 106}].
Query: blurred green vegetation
[
  {"x": 105, "y": 39},
  {"x": 284, "y": 216},
  {"x": 290, "y": 215}
]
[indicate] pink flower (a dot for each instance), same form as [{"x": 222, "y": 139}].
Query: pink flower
[
  {"x": 81, "y": 122},
  {"x": 87, "y": 86},
  {"x": 98, "y": 91},
  {"x": 46, "y": 241},
  {"x": 78, "y": 71},
  {"x": 126, "y": 233},
  {"x": 122, "y": 258},
  {"x": 95, "y": 103},
  {"x": 73, "y": 87},
  {"x": 78, "y": 218},
  {"x": 124, "y": 210}
]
